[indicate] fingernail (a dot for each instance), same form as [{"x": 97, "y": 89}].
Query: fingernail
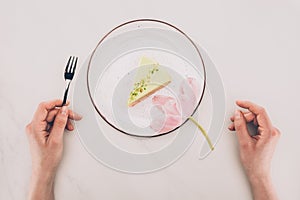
[
  {"x": 237, "y": 114},
  {"x": 64, "y": 110},
  {"x": 79, "y": 115}
]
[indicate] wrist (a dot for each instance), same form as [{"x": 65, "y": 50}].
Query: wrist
[
  {"x": 262, "y": 187},
  {"x": 41, "y": 185},
  {"x": 43, "y": 176},
  {"x": 258, "y": 174},
  {"x": 260, "y": 179}
]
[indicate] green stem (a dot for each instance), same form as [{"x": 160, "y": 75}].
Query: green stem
[{"x": 203, "y": 132}]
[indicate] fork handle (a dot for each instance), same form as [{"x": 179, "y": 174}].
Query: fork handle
[{"x": 66, "y": 94}]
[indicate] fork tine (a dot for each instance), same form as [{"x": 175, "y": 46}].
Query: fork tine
[
  {"x": 70, "y": 67},
  {"x": 68, "y": 64},
  {"x": 75, "y": 64}
]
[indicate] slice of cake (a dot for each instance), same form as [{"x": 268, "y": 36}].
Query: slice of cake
[{"x": 150, "y": 77}]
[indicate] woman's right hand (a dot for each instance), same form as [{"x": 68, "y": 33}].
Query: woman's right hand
[{"x": 256, "y": 152}]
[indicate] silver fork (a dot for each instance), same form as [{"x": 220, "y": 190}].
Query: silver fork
[{"x": 69, "y": 74}]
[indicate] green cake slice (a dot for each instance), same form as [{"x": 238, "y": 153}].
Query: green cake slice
[{"x": 150, "y": 78}]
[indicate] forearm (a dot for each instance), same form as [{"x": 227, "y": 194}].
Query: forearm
[
  {"x": 41, "y": 186},
  {"x": 262, "y": 188}
]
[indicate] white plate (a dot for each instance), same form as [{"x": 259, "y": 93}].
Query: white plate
[
  {"x": 115, "y": 62},
  {"x": 137, "y": 155}
]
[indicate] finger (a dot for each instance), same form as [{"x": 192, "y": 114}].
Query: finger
[
  {"x": 256, "y": 109},
  {"x": 52, "y": 112},
  {"x": 51, "y": 115},
  {"x": 255, "y": 122},
  {"x": 50, "y": 120},
  {"x": 261, "y": 115},
  {"x": 72, "y": 115},
  {"x": 60, "y": 122},
  {"x": 241, "y": 128},
  {"x": 69, "y": 126},
  {"x": 43, "y": 109},
  {"x": 231, "y": 127},
  {"x": 249, "y": 116},
  {"x": 245, "y": 113},
  {"x": 257, "y": 137}
]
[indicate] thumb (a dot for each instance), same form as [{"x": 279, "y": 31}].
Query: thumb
[
  {"x": 241, "y": 127},
  {"x": 59, "y": 125}
]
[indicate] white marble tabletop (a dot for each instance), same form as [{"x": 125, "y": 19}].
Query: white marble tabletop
[{"x": 254, "y": 44}]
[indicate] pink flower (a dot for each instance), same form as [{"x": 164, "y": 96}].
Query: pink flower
[{"x": 167, "y": 114}]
